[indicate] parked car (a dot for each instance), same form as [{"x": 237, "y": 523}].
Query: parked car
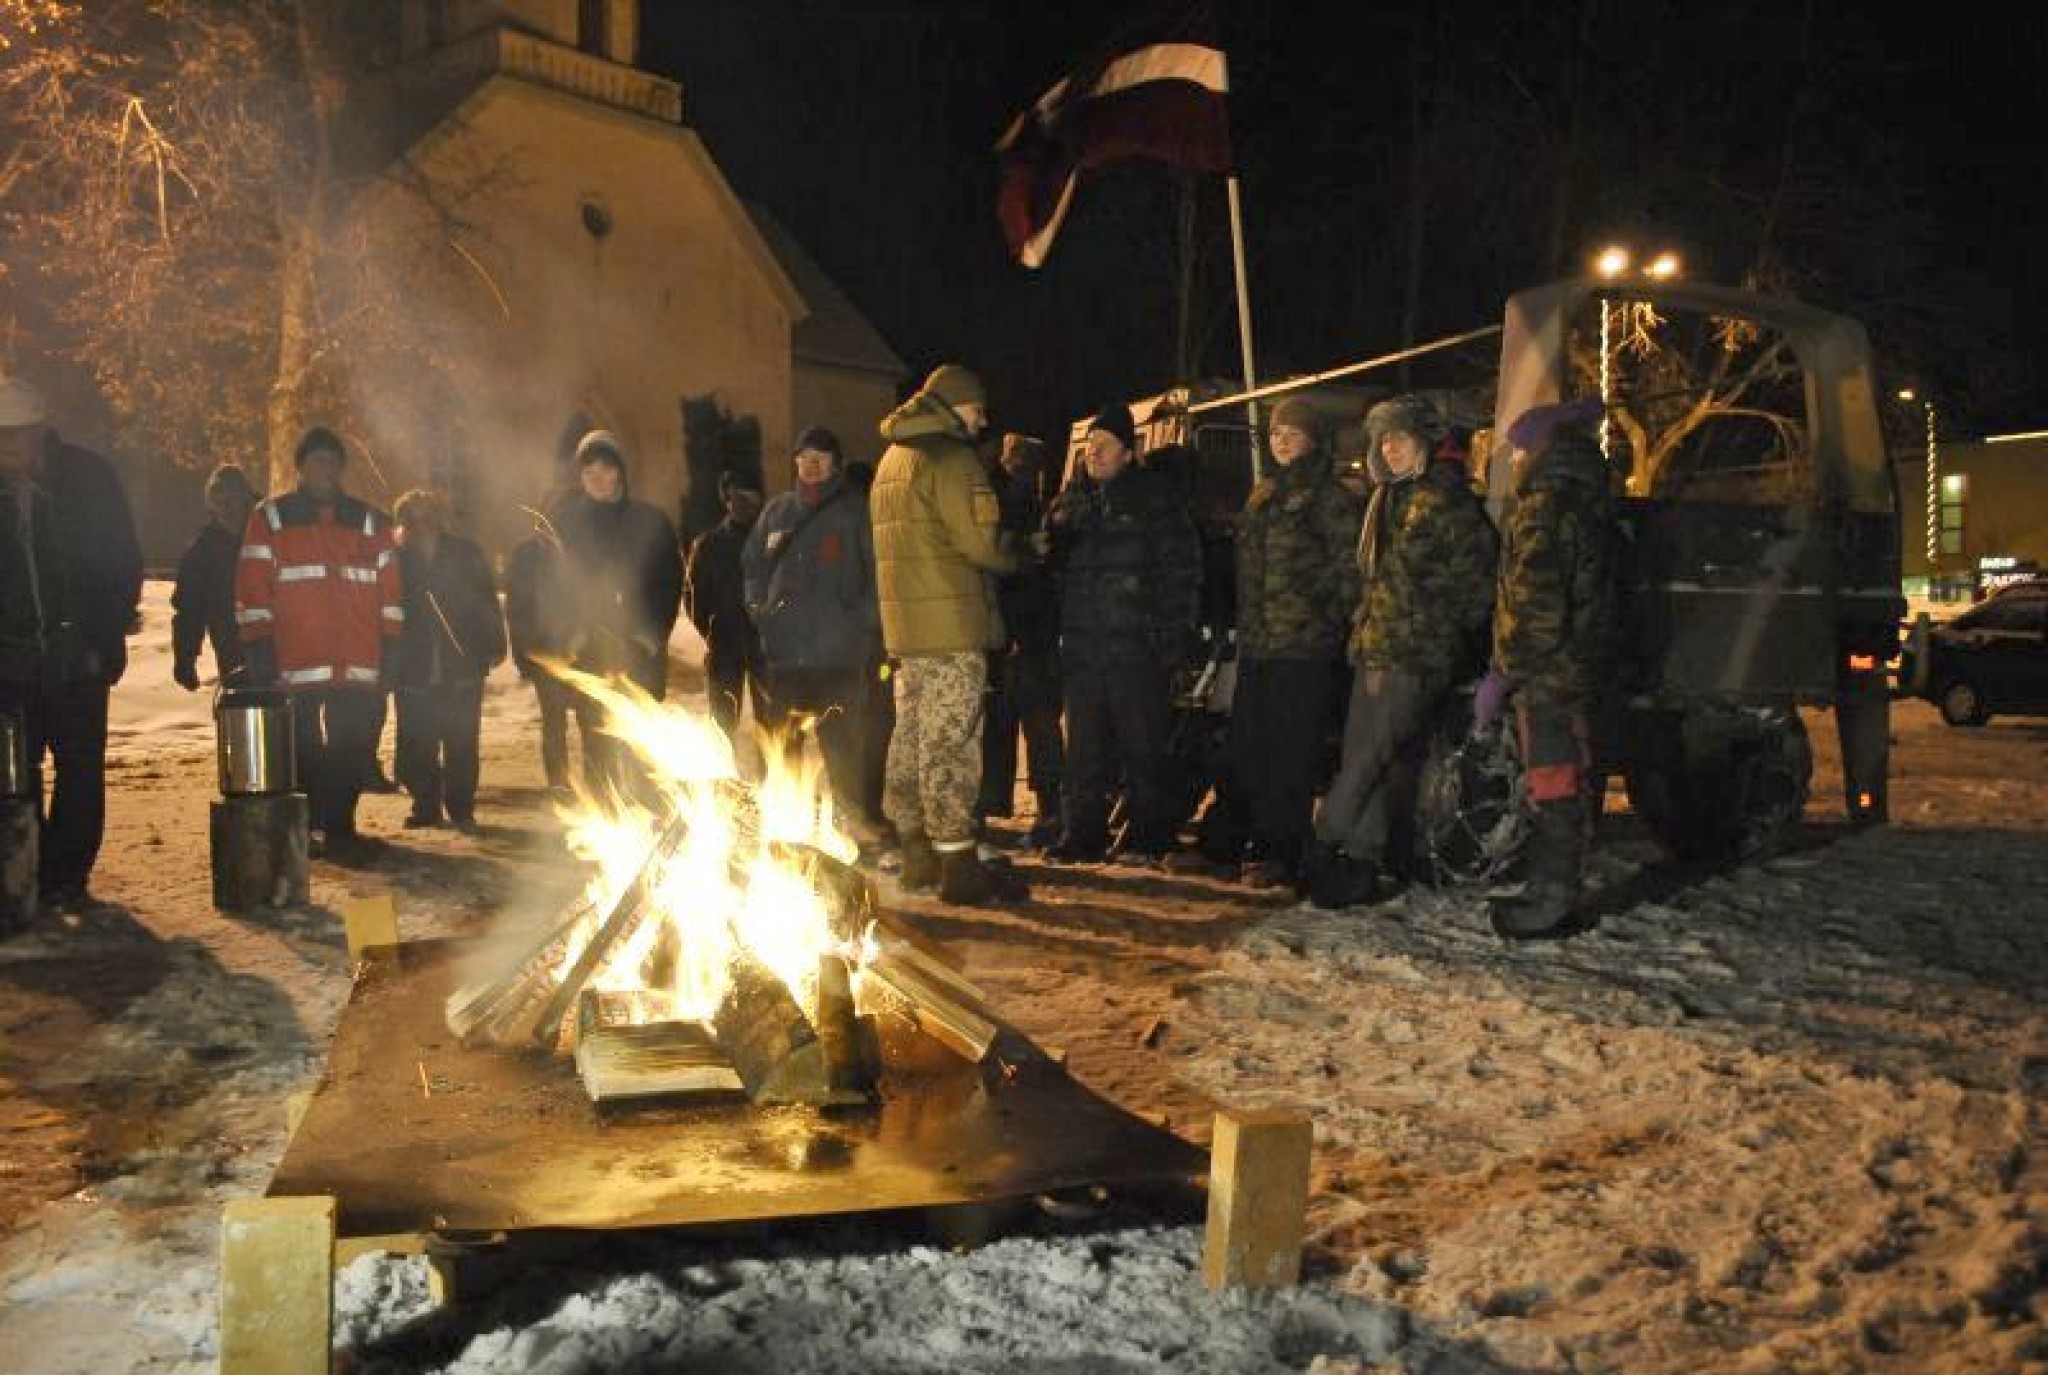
[{"x": 1991, "y": 660}]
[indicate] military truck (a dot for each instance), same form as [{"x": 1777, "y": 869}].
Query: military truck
[{"x": 1758, "y": 568}]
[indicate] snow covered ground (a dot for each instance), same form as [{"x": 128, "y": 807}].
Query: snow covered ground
[{"x": 1780, "y": 1118}]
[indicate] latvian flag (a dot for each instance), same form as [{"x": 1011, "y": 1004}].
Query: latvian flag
[{"x": 1149, "y": 99}]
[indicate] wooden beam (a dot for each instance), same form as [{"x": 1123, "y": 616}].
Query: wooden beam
[
  {"x": 277, "y": 1286},
  {"x": 1258, "y": 1198}
]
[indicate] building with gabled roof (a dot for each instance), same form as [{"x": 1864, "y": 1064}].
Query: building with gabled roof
[{"x": 548, "y": 247}]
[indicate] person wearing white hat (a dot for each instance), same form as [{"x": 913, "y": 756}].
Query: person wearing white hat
[{"x": 70, "y": 582}]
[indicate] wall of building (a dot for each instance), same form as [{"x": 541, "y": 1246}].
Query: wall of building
[
  {"x": 847, "y": 401},
  {"x": 1993, "y": 503},
  {"x": 601, "y": 269}
]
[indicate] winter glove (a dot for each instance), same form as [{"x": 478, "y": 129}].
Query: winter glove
[
  {"x": 185, "y": 674},
  {"x": 1488, "y": 700}
]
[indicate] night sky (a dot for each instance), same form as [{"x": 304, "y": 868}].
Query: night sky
[{"x": 1888, "y": 170}]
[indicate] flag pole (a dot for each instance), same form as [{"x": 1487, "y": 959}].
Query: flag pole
[{"x": 1244, "y": 322}]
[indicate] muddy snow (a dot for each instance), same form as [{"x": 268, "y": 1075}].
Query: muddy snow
[{"x": 1783, "y": 1117}]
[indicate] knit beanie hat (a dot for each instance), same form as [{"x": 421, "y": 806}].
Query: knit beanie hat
[
  {"x": 1298, "y": 412},
  {"x": 600, "y": 446},
  {"x": 21, "y": 404},
  {"x": 1116, "y": 419},
  {"x": 319, "y": 439},
  {"x": 955, "y": 386},
  {"x": 1533, "y": 428},
  {"x": 824, "y": 441}
]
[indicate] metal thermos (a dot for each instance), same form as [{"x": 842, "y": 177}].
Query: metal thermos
[
  {"x": 253, "y": 729},
  {"x": 15, "y": 778}
]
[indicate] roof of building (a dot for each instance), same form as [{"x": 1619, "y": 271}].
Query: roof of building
[{"x": 835, "y": 332}]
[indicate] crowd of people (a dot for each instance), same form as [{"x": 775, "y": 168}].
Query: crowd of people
[{"x": 913, "y": 620}]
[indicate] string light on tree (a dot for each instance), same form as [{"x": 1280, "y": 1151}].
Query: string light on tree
[{"x": 1614, "y": 263}]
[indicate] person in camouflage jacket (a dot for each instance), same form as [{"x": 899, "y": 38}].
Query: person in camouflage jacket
[
  {"x": 1549, "y": 639},
  {"x": 1426, "y": 556},
  {"x": 1296, "y": 584}
]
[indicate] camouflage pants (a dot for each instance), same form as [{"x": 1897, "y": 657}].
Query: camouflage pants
[{"x": 934, "y": 771}]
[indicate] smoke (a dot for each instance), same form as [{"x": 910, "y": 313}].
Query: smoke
[{"x": 496, "y": 309}]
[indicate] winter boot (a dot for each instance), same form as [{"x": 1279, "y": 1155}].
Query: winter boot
[
  {"x": 966, "y": 881},
  {"x": 1317, "y": 857},
  {"x": 1544, "y": 907},
  {"x": 1348, "y": 881},
  {"x": 920, "y": 871}
]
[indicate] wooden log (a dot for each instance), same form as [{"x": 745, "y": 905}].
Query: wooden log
[
  {"x": 258, "y": 850},
  {"x": 20, "y": 836},
  {"x": 503, "y": 1007},
  {"x": 962, "y": 1025},
  {"x": 838, "y": 1029},
  {"x": 621, "y": 1054},
  {"x": 277, "y": 1286},
  {"x": 772, "y": 1044},
  {"x": 1258, "y": 1199},
  {"x": 627, "y": 913}
]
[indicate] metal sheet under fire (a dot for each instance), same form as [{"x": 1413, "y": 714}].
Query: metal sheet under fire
[{"x": 414, "y": 1132}]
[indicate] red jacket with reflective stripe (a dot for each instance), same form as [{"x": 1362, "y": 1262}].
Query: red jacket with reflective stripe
[{"x": 321, "y": 583}]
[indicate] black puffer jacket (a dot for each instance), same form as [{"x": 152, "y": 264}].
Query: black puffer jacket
[
  {"x": 1130, "y": 568},
  {"x": 454, "y": 631},
  {"x": 203, "y": 599},
  {"x": 624, "y": 577},
  {"x": 66, "y": 608}
]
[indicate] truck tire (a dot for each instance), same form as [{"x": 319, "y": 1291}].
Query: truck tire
[
  {"x": 1732, "y": 802},
  {"x": 1962, "y": 705}
]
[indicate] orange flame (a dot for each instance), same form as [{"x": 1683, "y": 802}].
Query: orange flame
[{"x": 726, "y": 890}]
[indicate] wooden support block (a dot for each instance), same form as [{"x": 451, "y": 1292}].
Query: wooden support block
[
  {"x": 258, "y": 850},
  {"x": 370, "y": 921},
  {"x": 1258, "y": 1199},
  {"x": 277, "y": 1286}
]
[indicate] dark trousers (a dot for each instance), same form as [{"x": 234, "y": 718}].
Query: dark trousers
[
  {"x": 611, "y": 771},
  {"x": 732, "y": 675},
  {"x": 335, "y": 743},
  {"x": 438, "y": 731},
  {"x": 1557, "y": 777},
  {"x": 1118, "y": 719},
  {"x": 835, "y": 700},
  {"x": 69, "y": 721},
  {"x": 1024, "y": 696},
  {"x": 1279, "y": 719},
  {"x": 877, "y": 724},
  {"x": 1372, "y": 798},
  {"x": 555, "y": 699}
]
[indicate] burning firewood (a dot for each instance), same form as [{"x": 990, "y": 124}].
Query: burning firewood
[
  {"x": 503, "y": 1008},
  {"x": 945, "y": 1007},
  {"x": 532, "y": 999},
  {"x": 773, "y": 1045},
  {"x": 622, "y": 1053},
  {"x": 847, "y": 1067}
]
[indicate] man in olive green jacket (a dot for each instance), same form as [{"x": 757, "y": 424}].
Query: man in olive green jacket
[{"x": 935, "y": 519}]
